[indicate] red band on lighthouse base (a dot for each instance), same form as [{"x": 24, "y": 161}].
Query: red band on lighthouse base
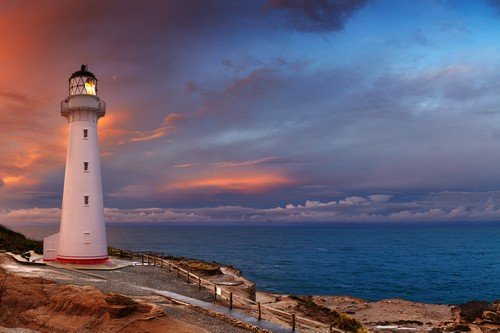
[{"x": 82, "y": 261}]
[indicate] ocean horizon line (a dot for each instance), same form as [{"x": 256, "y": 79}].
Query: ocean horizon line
[{"x": 274, "y": 224}]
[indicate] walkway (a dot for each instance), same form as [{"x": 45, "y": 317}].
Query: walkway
[{"x": 222, "y": 310}]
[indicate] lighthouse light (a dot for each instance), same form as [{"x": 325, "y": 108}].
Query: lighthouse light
[
  {"x": 83, "y": 82},
  {"x": 90, "y": 86}
]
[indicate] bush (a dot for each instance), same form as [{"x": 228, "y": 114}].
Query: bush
[
  {"x": 16, "y": 242},
  {"x": 323, "y": 314}
]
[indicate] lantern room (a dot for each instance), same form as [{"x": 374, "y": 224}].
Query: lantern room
[{"x": 83, "y": 82}]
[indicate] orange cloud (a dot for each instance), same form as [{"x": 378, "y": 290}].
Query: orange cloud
[
  {"x": 230, "y": 164},
  {"x": 165, "y": 129},
  {"x": 237, "y": 183},
  {"x": 187, "y": 165},
  {"x": 111, "y": 127}
]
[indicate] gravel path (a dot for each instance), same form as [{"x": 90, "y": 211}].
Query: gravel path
[
  {"x": 122, "y": 281},
  {"x": 209, "y": 323}
]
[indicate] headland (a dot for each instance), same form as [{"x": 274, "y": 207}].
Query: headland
[{"x": 49, "y": 299}]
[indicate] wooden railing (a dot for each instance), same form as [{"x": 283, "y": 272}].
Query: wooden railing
[{"x": 259, "y": 310}]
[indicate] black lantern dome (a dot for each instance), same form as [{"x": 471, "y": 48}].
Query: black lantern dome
[{"x": 83, "y": 82}]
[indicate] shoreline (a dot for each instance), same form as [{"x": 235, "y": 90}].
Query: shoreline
[
  {"x": 387, "y": 315},
  {"x": 345, "y": 312},
  {"x": 390, "y": 315},
  {"x": 355, "y": 270}
]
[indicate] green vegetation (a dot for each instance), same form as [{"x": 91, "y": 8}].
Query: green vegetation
[
  {"x": 208, "y": 268},
  {"x": 16, "y": 242},
  {"x": 113, "y": 251},
  {"x": 325, "y": 315}
]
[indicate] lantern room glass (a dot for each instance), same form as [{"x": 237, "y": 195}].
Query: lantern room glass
[{"x": 83, "y": 85}]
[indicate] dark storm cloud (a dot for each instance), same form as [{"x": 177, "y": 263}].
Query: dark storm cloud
[{"x": 316, "y": 15}]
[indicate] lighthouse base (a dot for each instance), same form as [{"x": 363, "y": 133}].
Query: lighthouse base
[
  {"x": 107, "y": 265},
  {"x": 51, "y": 254},
  {"x": 83, "y": 261}
]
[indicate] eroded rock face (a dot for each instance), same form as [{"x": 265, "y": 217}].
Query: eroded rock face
[
  {"x": 120, "y": 306},
  {"x": 44, "y": 306},
  {"x": 480, "y": 314},
  {"x": 473, "y": 310},
  {"x": 16, "y": 330}
]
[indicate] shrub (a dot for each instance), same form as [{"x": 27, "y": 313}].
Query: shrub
[{"x": 16, "y": 242}]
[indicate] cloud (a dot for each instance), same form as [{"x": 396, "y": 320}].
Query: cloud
[
  {"x": 369, "y": 121},
  {"x": 316, "y": 15},
  {"x": 187, "y": 165},
  {"x": 429, "y": 208},
  {"x": 232, "y": 164},
  {"x": 190, "y": 87},
  {"x": 167, "y": 126},
  {"x": 245, "y": 183},
  {"x": 378, "y": 198},
  {"x": 353, "y": 201}
]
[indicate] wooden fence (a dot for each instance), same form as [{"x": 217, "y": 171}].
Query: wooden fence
[{"x": 260, "y": 311}]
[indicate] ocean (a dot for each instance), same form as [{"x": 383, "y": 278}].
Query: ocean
[{"x": 433, "y": 263}]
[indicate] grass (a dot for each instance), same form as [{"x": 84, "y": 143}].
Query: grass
[
  {"x": 16, "y": 242},
  {"x": 113, "y": 251},
  {"x": 209, "y": 268},
  {"x": 328, "y": 316}
]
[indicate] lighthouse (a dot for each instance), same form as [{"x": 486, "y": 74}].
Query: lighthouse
[{"x": 82, "y": 234}]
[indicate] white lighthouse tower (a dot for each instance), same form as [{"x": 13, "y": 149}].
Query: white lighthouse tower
[{"x": 82, "y": 234}]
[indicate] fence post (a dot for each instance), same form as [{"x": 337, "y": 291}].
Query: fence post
[
  {"x": 149, "y": 258},
  {"x": 178, "y": 271},
  {"x": 187, "y": 280},
  {"x": 169, "y": 269},
  {"x": 230, "y": 300},
  {"x": 331, "y": 328},
  {"x": 215, "y": 292},
  {"x": 199, "y": 283},
  {"x": 162, "y": 257},
  {"x": 142, "y": 258},
  {"x": 260, "y": 313},
  {"x": 293, "y": 322}
]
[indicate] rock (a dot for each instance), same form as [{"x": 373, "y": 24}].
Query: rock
[
  {"x": 473, "y": 310},
  {"x": 32, "y": 304},
  {"x": 120, "y": 306},
  {"x": 16, "y": 330},
  {"x": 491, "y": 316},
  {"x": 458, "y": 328}
]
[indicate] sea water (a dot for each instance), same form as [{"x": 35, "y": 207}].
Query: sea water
[{"x": 419, "y": 262}]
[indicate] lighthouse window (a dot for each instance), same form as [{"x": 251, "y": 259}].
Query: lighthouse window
[
  {"x": 85, "y": 133},
  {"x": 86, "y": 237},
  {"x": 86, "y": 200},
  {"x": 86, "y": 166}
]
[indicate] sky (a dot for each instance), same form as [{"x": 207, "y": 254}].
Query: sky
[{"x": 264, "y": 111}]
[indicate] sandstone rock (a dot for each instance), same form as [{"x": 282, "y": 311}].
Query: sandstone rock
[
  {"x": 120, "y": 306},
  {"x": 473, "y": 310},
  {"x": 492, "y": 317}
]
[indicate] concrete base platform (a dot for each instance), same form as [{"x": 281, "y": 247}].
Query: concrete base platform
[
  {"x": 34, "y": 259},
  {"x": 110, "y": 265}
]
